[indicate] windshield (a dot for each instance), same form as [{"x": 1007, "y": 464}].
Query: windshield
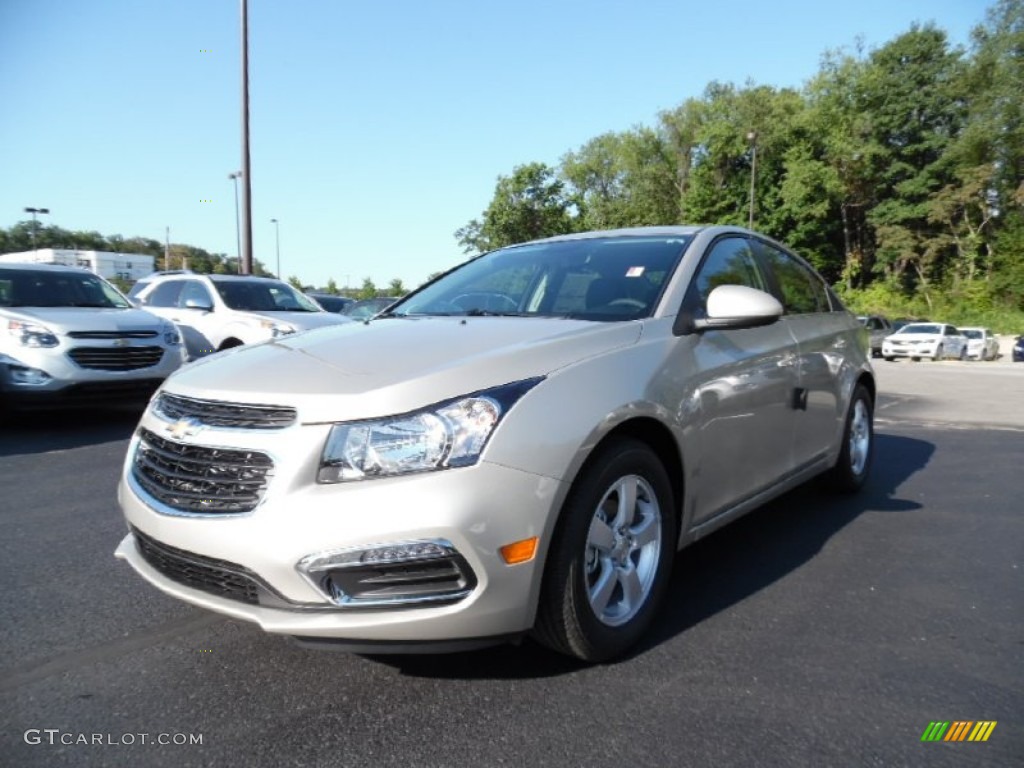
[
  {"x": 607, "y": 279},
  {"x": 37, "y": 288},
  {"x": 920, "y": 328},
  {"x": 971, "y": 333},
  {"x": 263, "y": 296}
]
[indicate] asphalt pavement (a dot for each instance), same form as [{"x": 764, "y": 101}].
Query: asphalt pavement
[{"x": 820, "y": 630}]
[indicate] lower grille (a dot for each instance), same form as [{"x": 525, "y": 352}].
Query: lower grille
[
  {"x": 116, "y": 358},
  {"x": 198, "y": 479},
  {"x": 215, "y": 577}
]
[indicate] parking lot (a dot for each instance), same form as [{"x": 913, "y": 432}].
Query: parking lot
[{"x": 817, "y": 631}]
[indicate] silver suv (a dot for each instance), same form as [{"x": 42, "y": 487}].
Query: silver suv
[
  {"x": 520, "y": 446},
  {"x": 68, "y": 337},
  {"x": 217, "y": 312}
]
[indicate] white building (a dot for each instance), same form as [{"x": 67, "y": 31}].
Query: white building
[{"x": 126, "y": 266}]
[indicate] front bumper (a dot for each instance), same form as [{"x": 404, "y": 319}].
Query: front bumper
[
  {"x": 53, "y": 379},
  {"x": 477, "y": 510},
  {"x": 908, "y": 350}
]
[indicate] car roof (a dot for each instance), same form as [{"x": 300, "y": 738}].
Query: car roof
[
  {"x": 31, "y": 265},
  {"x": 664, "y": 231}
]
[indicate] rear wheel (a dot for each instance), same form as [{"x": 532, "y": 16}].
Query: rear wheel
[
  {"x": 963, "y": 353},
  {"x": 938, "y": 353},
  {"x": 851, "y": 469},
  {"x": 611, "y": 557}
]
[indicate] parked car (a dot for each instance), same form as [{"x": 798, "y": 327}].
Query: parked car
[
  {"x": 218, "y": 312},
  {"x": 367, "y": 308},
  {"x": 449, "y": 476},
  {"x": 1018, "y": 349},
  {"x": 981, "y": 344},
  {"x": 902, "y": 321},
  {"x": 330, "y": 302},
  {"x": 916, "y": 340},
  {"x": 68, "y": 337},
  {"x": 878, "y": 328}
]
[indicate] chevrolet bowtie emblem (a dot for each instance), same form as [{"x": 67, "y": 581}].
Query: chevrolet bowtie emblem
[
  {"x": 184, "y": 427},
  {"x": 122, "y": 342}
]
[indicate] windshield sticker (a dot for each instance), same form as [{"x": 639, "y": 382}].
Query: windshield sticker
[{"x": 635, "y": 272}]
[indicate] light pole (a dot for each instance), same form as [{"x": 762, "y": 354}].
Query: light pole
[
  {"x": 752, "y": 138},
  {"x": 245, "y": 256},
  {"x": 277, "y": 241},
  {"x": 35, "y": 223},
  {"x": 238, "y": 227}
]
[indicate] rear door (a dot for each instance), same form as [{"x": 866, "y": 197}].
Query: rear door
[{"x": 824, "y": 338}]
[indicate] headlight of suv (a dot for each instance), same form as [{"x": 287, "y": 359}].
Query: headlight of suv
[
  {"x": 171, "y": 336},
  {"x": 32, "y": 335},
  {"x": 450, "y": 434},
  {"x": 277, "y": 330}
]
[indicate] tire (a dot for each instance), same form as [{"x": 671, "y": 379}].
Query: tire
[
  {"x": 889, "y": 359},
  {"x": 851, "y": 469},
  {"x": 963, "y": 354},
  {"x": 938, "y": 354},
  {"x": 611, "y": 557},
  {"x": 229, "y": 344}
]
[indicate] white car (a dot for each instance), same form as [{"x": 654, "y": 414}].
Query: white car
[
  {"x": 981, "y": 344},
  {"x": 520, "y": 445},
  {"x": 218, "y": 312},
  {"x": 68, "y": 337},
  {"x": 916, "y": 340}
]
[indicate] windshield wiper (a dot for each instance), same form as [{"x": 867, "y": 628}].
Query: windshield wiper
[{"x": 477, "y": 312}]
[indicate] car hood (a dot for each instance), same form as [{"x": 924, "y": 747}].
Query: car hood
[
  {"x": 304, "y": 320},
  {"x": 390, "y": 366},
  {"x": 63, "y": 320}
]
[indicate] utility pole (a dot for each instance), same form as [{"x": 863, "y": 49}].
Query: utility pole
[
  {"x": 246, "y": 255},
  {"x": 277, "y": 240},
  {"x": 167, "y": 248},
  {"x": 752, "y": 138}
]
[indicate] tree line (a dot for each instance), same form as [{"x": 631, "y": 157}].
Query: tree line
[
  {"x": 26, "y": 236},
  {"x": 897, "y": 172}
]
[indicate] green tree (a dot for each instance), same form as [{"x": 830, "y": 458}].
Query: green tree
[
  {"x": 332, "y": 287},
  {"x": 397, "y": 288},
  {"x": 529, "y": 204},
  {"x": 294, "y": 282},
  {"x": 368, "y": 291}
]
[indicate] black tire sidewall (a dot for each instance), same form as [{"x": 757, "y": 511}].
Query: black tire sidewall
[
  {"x": 844, "y": 478},
  {"x": 589, "y": 637}
]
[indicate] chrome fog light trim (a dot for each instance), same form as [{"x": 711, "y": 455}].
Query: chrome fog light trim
[{"x": 393, "y": 574}]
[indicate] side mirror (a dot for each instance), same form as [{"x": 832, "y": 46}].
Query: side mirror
[
  {"x": 732, "y": 307},
  {"x": 198, "y": 304}
]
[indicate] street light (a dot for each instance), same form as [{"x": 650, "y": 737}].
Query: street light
[
  {"x": 35, "y": 223},
  {"x": 277, "y": 239},
  {"x": 752, "y": 138},
  {"x": 238, "y": 229}
]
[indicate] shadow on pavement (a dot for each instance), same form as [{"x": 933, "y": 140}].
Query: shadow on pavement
[
  {"x": 719, "y": 571},
  {"x": 57, "y": 430}
]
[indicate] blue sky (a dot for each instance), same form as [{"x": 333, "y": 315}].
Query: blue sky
[{"x": 377, "y": 129}]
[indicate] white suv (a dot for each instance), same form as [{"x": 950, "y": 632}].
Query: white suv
[
  {"x": 67, "y": 337},
  {"x": 217, "y": 312}
]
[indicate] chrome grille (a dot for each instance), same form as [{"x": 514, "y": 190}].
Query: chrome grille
[
  {"x": 116, "y": 358},
  {"x": 215, "y": 577},
  {"x": 112, "y": 334},
  {"x": 198, "y": 479},
  {"x": 214, "y": 413}
]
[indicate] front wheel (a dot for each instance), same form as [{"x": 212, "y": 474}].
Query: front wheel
[
  {"x": 851, "y": 469},
  {"x": 611, "y": 556},
  {"x": 963, "y": 353},
  {"x": 938, "y": 354}
]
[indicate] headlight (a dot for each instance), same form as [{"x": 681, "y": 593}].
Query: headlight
[
  {"x": 171, "y": 336},
  {"x": 31, "y": 335},
  {"x": 277, "y": 329},
  {"x": 443, "y": 436}
]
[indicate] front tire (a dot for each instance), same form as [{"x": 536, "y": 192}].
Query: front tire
[
  {"x": 611, "y": 556},
  {"x": 850, "y": 471}
]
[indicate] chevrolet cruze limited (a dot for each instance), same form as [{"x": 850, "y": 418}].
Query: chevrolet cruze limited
[{"x": 519, "y": 447}]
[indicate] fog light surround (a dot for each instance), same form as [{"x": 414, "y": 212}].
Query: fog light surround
[
  {"x": 405, "y": 573},
  {"x": 28, "y": 377}
]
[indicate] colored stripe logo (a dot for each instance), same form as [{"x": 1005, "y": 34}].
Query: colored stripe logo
[{"x": 959, "y": 730}]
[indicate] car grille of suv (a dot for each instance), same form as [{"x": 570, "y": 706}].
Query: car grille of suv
[
  {"x": 112, "y": 334},
  {"x": 116, "y": 358},
  {"x": 215, "y": 577},
  {"x": 197, "y": 479},
  {"x": 219, "y": 414}
]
